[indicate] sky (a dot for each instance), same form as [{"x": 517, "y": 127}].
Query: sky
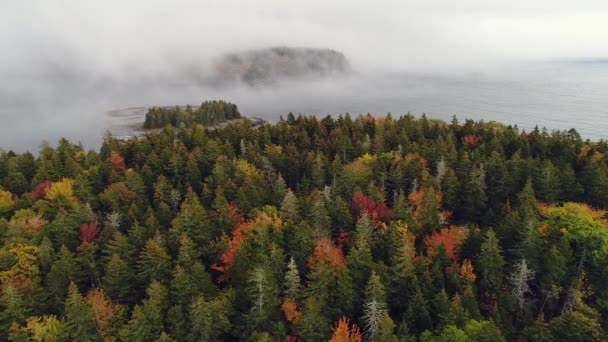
[{"x": 116, "y": 37}]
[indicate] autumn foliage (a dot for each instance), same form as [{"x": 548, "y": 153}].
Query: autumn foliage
[
  {"x": 118, "y": 162},
  {"x": 291, "y": 312},
  {"x": 362, "y": 204},
  {"x": 471, "y": 140},
  {"x": 6, "y": 201},
  {"x": 62, "y": 189},
  {"x": 451, "y": 238},
  {"x": 467, "y": 272},
  {"x": 105, "y": 313},
  {"x": 345, "y": 333},
  {"x": 88, "y": 232},
  {"x": 227, "y": 258},
  {"x": 25, "y": 268},
  {"x": 40, "y": 190},
  {"x": 326, "y": 253}
]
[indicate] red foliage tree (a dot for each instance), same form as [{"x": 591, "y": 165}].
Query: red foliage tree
[
  {"x": 362, "y": 204},
  {"x": 227, "y": 258},
  {"x": 88, "y": 232},
  {"x": 118, "y": 162},
  {"x": 40, "y": 190},
  {"x": 451, "y": 238}
]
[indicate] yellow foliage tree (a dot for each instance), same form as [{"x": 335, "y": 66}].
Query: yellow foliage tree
[
  {"x": 62, "y": 189},
  {"x": 39, "y": 329},
  {"x": 6, "y": 201},
  {"x": 26, "y": 265},
  {"x": 467, "y": 273}
]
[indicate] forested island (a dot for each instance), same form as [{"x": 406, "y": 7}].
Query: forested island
[
  {"x": 271, "y": 65},
  {"x": 209, "y": 113},
  {"x": 309, "y": 229}
]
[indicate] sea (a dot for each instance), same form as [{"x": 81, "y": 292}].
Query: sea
[{"x": 552, "y": 95}]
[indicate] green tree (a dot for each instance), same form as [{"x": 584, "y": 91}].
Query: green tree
[
  {"x": 491, "y": 263},
  {"x": 79, "y": 324},
  {"x": 154, "y": 262},
  {"x": 13, "y": 309}
]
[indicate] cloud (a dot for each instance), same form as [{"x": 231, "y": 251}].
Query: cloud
[{"x": 150, "y": 37}]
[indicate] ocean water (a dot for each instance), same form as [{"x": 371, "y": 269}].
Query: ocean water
[{"x": 557, "y": 95}]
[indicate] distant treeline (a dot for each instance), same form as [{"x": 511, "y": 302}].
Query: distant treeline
[{"x": 209, "y": 113}]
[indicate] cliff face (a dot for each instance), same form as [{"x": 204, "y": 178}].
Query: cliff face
[{"x": 271, "y": 65}]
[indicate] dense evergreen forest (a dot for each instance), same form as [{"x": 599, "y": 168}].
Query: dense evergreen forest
[
  {"x": 208, "y": 113},
  {"x": 309, "y": 229}
]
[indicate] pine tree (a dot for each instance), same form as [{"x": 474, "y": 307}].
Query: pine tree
[
  {"x": 192, "y": 219},
  {"x": 491, "y": 263},
  {"x": 78, "y": 318},
  {"x": 264, "y": 295},
  {"x": 12, "y": 307},
  {"x": 292, "y": 280},
  {"x": 154, "y": 262},
  {"x": 147, "y": 319},
  {"x": 374, "y": 310},
  {"x": 360, "y": 260},
  {"x": 418, "y": 315},
  {"x": 208, "y": 319},
  {"x": 289, "y": 207},
  {"x": 314, "y": 326},
  {"x": 65, "y": 269},
  {"x": 118, "y": 280}
]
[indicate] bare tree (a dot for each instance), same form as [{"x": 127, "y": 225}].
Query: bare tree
[{"x": 519, "y": 282}]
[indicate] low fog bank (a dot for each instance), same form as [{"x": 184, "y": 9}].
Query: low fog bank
[
  {"x": 71, "y": 61},
  {"x": 555, "y": 95}
]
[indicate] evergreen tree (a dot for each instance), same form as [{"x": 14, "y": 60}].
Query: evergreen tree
[
  {"x": 78, "y": 318},
  {"x": 13, "y": 309},
  {"x": 374, "y": 310},
  {"x": 154, "y": 262},
  {"x": 491, "y": 263}
]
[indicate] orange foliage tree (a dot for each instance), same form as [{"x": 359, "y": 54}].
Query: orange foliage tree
[
  {"x": 451, "y": 238},
  {"x": 471, "y": 140},
  {"x": 106, "y": 314},
  {"x": 467, "y": 272},
  {"x": 118, "y": 162},
  {"x": 239, "y": 234},
  {"x": 326, "y": 253},
  {"x": 345, "y": 333},
  {"x": 291, "y": 312}
]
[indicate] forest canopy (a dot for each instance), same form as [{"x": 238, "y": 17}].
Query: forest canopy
[{"x": 309, "y": 229}]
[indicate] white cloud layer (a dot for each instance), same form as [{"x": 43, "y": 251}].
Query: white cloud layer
[{"x": 112, "y": 37}]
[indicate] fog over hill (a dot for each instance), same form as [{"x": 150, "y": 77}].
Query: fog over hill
[{"x": 271, "y": 65}]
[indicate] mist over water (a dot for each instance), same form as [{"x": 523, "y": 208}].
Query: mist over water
[
  {"x": 552, "y": 95},
  {"x": 71, "y": 62}
]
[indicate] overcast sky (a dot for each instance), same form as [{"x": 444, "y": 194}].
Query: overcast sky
[{"x": 109, "y": 37}]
